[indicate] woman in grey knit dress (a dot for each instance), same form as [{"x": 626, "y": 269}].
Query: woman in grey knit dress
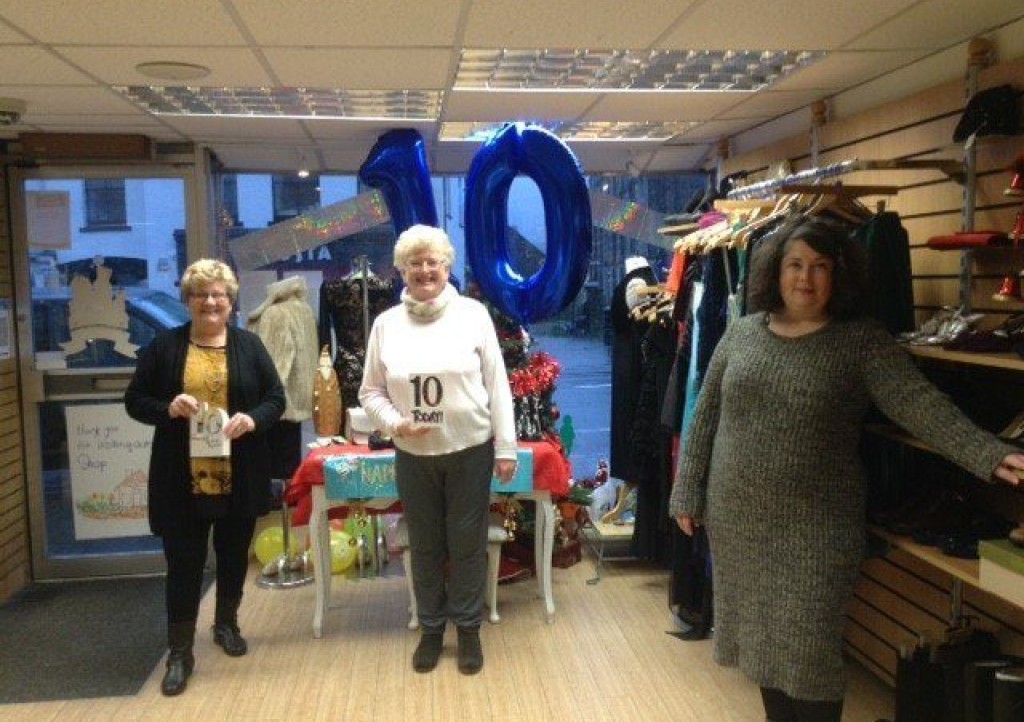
[{"x": 771, "y": 465}]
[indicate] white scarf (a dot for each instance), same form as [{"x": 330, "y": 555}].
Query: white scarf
[{"x": 432, "y": 308}]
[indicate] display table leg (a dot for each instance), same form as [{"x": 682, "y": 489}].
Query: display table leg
[
  {"x": 544, "y": 547},
  {"x": 319, "y": 531}
]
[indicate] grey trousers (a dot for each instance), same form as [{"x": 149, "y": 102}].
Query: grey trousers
[{"x": 446, "y": 499}]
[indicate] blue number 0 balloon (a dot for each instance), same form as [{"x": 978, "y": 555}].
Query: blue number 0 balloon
[
  {"x": 397, "y": 167},
  {"x": 514, "y": 150}
]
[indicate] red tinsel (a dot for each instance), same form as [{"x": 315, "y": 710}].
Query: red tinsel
[{"x": 538, "y": 376}]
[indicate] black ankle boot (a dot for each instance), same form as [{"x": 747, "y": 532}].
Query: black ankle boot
[
  {"x": 226, "y": 633},
  {"x": 471, "y": 654},
  {"x": 229, "y": 636},
  {"x": 428, "y": 651},
  {"x": 180, "y": 661}
]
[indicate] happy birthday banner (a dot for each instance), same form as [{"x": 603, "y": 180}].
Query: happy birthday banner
[
  {"x": 628, "y": 218},
  {"x": 308, "y": 231},
  {"x": 348, "y": 217}
]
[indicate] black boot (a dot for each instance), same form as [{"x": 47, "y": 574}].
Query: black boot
[
  {"x": 471, "y": 654},
  {"x": 225, "y": 628},
  {"x": 428, "y": 651},
  {"x": 180, "y": 661}
]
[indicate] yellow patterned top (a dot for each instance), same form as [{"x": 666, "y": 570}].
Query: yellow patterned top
[{"x": 206, "y": 378}]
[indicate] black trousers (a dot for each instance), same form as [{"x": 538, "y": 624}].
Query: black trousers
[{"x": 185, "y": 551}]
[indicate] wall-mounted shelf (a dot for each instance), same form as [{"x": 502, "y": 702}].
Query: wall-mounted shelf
[
  {"x": 964, "y": 570},
  {"x": 1010, "y": 361}
]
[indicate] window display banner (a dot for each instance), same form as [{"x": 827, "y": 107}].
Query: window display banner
[
  {"x": 108, "y": 456},
  {"x": 628, "y": 218},
  {"x": 309, "y": 230}
]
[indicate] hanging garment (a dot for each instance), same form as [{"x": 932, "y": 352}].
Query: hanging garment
[
  {"x": 341, "y": 312},
  {"x": 627, "y": 369}
]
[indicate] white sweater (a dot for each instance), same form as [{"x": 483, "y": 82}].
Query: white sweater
[{"x": 454, "y": 365}]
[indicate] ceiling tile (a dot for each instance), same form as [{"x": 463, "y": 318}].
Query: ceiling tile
[
  {"x": 710, "y": 131},
  {"x": 771, "y": 104},
  {"x": 840, "y": 68},
  {"x": 779, "y": 24},
  {"x": 656, "y": 105},
  {"x": 483, "y": 105},
  {"x": 365, "y": 69},
  {"x": 383, "y": 23},
  {"x": 937, "y": 24},
  {"x": 123, "y": 22},
  {"x": 330, "y": 129},
  {"x": 213, "y": 127},
  {"x": 27, "y": 65},
  {"x": 569, "y": 23},
  {"x": 68, "y": 100},
  {"x": 231, "y": 67}
]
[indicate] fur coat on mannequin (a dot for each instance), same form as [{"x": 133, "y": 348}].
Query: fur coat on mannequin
[{"x": 286, "y": 325}]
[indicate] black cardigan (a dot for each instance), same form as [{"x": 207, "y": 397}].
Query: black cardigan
[{"x": 253, "y": 388}]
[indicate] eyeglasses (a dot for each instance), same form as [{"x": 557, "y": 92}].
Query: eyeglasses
[
  {"x": 428, "y": 264},
  {"x": 215, "y": 296}
]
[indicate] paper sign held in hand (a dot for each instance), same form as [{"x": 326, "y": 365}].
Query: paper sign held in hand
[{"x": 206, "y": 437}]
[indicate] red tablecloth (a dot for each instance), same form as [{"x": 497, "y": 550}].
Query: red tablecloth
[{"x": 551, "y": 472}]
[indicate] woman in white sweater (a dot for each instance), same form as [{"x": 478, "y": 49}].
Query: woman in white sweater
[{"x": 434, "y": 379}]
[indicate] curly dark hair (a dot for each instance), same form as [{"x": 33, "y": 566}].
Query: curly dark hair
[{"x": 830, "y": 239}]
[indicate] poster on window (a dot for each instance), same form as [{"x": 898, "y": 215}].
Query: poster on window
[
  {"x": 108, "y": 455},
  {"x": 48, "y": 219}
]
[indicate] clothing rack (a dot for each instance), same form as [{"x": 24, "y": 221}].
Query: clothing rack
[{"x": 952, "y": 168}]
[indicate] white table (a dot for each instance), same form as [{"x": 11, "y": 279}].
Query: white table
[{"x": 319, "y": 529}]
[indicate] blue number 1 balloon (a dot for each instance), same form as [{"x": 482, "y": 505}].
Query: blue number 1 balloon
[
  {"x": 514, "y": 150},
  {"x": 397, "y": 167}
]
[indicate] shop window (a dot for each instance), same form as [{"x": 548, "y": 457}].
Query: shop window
[
  {"x": 294, "y": 196},
  {"x": 229, "y": 197},
  {"x": 105, "y": 208}
]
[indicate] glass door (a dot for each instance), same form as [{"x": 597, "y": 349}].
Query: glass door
[{"x": 98, "y": 255}]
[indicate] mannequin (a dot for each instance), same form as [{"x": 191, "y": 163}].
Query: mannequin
[
  {"x": 626, "y": 375},
  {"x": 286, "y": 325}
]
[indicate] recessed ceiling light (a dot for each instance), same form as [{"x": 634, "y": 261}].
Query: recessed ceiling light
[{"x": 170, "y": 70}]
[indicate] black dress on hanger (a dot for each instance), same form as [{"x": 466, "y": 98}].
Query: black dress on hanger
[
  {"x": 341, "y": 311},
  {"x": 627, "y": 371}
]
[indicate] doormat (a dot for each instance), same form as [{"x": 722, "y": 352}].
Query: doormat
[{"x": 80, "y": 639}]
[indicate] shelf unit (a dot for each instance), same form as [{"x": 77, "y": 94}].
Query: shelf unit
[
  {"x": 961, "y": 571},
  {"x": 1008, "y": 361}
]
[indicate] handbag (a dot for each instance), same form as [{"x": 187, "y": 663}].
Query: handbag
[{"x": 963, "y": 240}]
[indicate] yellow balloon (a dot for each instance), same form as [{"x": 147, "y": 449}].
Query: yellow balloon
[
  {"x": 269, "y": 544},
  {"x": 343, "y": 552}
]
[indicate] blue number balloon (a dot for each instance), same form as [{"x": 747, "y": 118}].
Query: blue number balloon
[
  {"x": 514, "y": 150},
  {"x": 397, "y": 167}
]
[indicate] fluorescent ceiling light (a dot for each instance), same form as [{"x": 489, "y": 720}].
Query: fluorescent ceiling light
[
  {"x": 622, "y": 70},
  {"x": 582, "y": 132},
  {"x": 297, "y": 103}
]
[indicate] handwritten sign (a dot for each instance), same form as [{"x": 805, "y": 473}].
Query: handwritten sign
[{"x": 108, "y": 456}]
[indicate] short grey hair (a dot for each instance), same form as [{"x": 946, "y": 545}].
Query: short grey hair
[{"x": 419, "y": 239}]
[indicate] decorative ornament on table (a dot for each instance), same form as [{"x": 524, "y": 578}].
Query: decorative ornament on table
[{"x": 326, "y": 397}]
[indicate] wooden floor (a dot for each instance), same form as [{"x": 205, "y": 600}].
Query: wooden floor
[{"x": 607, "y": 656}]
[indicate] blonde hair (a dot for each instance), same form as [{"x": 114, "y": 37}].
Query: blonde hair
[
  {"x": 418, "y": 239},
  {"x": 206, "y": 271}
]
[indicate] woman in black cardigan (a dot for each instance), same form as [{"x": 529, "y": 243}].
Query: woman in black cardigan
[{"x": 206, "y": 363}]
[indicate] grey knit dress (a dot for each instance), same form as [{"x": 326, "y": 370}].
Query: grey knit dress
[{"x": 771, "y": 467}]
